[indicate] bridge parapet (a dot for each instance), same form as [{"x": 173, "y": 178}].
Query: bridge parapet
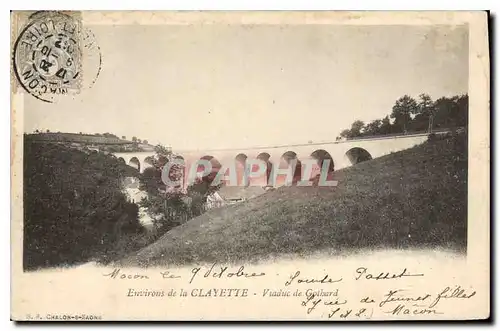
[{"x": 341, "y": 154}]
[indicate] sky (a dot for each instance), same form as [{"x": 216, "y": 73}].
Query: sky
[{"x": 229, "y": 86}]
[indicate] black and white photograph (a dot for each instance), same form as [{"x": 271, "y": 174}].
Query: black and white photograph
[{"x": 226, "y": 143}]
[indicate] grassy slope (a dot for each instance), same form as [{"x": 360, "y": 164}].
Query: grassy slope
[{"x": 413, "y": 198}]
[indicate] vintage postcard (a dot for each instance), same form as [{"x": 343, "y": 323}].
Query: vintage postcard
[{"x": 216, "y": 166}]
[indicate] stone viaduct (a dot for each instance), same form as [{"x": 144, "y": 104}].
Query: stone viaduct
[{"x": 340, "y": 154}]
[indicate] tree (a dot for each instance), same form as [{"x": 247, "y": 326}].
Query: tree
[
  {"x": 463, "y": 110},
  {"x": 451, "y": 112},
  {"x": 385, "y": 126},
  {"x": 151, "y": 180},
  {"x": 356, "y": 128},
  {"x": 345, "y": 133},
  {"x": 145, "y": 142},
  {"x": 408, "y": 114},
  {"x": 134, "y": 139},
  {"x": 138, "y": 141},
  {"x": 48, "y": 131},
  {"x": 162, "y": 150},
  {"x": 425, "y": 105},
  {"x": 202, "y": 188},
  {"x": 162, "y": 155},
  {"x": 402, "y": 111},
  {"x": 372, "y": 128},
  {"x": 355, "y": 131},
  {"x": 96, "y": 210},
  {"x": 124, "y": 137},
  {"x": 424, "y": 114}
]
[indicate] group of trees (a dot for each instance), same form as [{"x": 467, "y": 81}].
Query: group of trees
[
  {"x": 138, "y": 141},
  {"x": 105, "y": 134},
  {"x": 134, "y": 139},
  {"x": 176, "y": 204},
  {"x": 74, "y": 209},
  {"x": 411, "y": 115}
]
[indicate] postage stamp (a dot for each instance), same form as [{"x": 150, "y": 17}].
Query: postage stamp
[
  {"x": 49, "y": 54},
  {"x": 317, "y": 166}
]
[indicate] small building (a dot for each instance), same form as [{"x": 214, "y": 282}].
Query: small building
[
  {"x": 228, "y": 195},
  {"x": 214, "y": 200}
]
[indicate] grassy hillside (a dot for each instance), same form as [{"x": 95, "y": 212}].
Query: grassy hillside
[
  {"x": 74, "y": 210},
  {"x": 413, "y": 198}
]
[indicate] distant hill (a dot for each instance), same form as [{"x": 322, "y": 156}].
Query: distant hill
[
  {"x": 413, "y": 198},
  {"x": 78, "y": 138},
  {"x": 104, "y": 142}
]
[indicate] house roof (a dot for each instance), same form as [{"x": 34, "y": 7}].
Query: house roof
[{"x": 240, "y": 192}]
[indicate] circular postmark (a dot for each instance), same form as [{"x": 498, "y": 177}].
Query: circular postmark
[{"x": 53, "y": 53}]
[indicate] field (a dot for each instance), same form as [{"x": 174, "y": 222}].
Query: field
[{"x": 410, "y": 199}]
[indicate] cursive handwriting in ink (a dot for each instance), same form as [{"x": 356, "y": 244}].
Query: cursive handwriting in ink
[
  {"x": 310, "y": 298},
  {"x": 456, "y": 293},
  {"x": 397, "y": 296},
  {"x": 346, "y": 313},
  {"x": 168, "y": 275},
  {"x": 222, "y": 271},
  {"x": 118, "y": 274},
  {"x": 367, "y": 300},
  {"x": 362, "y": 273},
  {"x": 361, "y": 312},
  {"x": 358, "y": 312},
  {"x": 337, "y": 302},
  {"x": 325, "y": 280},
  {"x": 402, "y": 309}
]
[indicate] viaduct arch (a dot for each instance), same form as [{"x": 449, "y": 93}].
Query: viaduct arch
[{"x": 333, "y": 155}]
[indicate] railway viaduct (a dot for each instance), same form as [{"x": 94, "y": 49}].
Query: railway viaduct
[{"x": 340, "y": 154}]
